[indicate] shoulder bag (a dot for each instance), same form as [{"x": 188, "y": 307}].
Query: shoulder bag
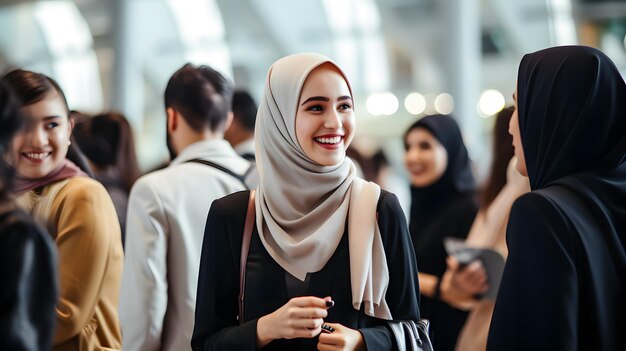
[{"x": 409, "y": 335}]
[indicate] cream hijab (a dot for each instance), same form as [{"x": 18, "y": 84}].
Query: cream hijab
[{"x": 302, "y": 207}]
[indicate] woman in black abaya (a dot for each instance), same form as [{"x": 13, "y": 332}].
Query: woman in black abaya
[
  {"x": 442, "y": 205},
  {"x": 563, "y": 286}
]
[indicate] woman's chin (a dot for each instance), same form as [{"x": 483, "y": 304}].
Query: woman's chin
[
  {"x": 330, "y": 160},
  {"x": 422, "y": 182},
  {"x": 32, "y": 173}
]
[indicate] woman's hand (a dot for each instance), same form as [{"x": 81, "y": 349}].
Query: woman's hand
[
  {"x": 469, "y": 280},
  {"x": 342, "y": 339},
  {"x": 460, "y": 285},
  {"x": 301, "y": 317}
]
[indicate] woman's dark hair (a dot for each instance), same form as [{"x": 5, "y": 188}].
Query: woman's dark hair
[
  {"x": 11, "y": 123},
  {"x": 107, "y": 140},
  {"x": 30, "y": 88},
  {"x": 502, "y": 154}
]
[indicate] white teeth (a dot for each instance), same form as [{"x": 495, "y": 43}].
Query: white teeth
[
  {"x": 37, "y": 155},
  {"x": 416, "y": 169},
  {"x": 333, "y": 140}
]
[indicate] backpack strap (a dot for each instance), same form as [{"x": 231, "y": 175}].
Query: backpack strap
[
  {"x": 240, "y": 178},
  {"x": 249, "y": 171},
  {"x": 249, "y": 156},
  {"x": 245, "y": 247}
]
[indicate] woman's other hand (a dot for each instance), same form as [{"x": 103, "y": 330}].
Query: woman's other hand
[
  {"x": 301, "y": 317},
  {"x": 460, "y": 285},
  {"x": 342, "y": 339}
]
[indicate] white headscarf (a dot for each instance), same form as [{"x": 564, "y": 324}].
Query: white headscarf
[{"x": 302, "y": 207}]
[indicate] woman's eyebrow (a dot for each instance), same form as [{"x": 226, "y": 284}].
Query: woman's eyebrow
[
  {"x": 30, "y": 119},
  {"x": 316, "y": 98},
  {"x": 325, "y": 99}
]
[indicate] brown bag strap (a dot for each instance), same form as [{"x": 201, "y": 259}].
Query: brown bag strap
[{"x": 245, "y": 246}]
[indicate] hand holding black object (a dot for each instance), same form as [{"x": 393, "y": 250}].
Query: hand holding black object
[
  {"x": 300, "y": 317},
  {"x": 460, "y": 285}
]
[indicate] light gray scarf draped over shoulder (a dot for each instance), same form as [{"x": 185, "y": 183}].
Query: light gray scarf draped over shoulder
[{"x": 302, "y": 207}]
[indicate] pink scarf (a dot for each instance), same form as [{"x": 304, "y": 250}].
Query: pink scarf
[{"x": 66, "y": 170}]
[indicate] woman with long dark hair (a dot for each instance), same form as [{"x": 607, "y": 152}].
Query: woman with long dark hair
[
  {"x": 504, "y": 185},
  {"x": 107, "y": 141},
  {"x": 29, "y": 289},
  {"x": 75, "y": 209}
]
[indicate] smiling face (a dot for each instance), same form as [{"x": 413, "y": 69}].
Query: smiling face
[
  {"x": 425, "y": 158},
  {"x": 41, "y": 145},
  {"x": 325, "y": 116},
  {"x": 517, "y": 139}
]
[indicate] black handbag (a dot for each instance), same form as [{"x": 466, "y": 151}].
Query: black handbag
[{"x": 412, "y": 336}]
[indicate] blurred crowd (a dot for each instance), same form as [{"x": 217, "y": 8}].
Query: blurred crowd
[{"x": 267, "y": 229}]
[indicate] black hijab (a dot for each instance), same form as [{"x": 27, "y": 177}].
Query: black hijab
[
  {"x": 447, "y": 207},
  {"x": 457, "y": 178},
  {"x": 572, "y": 115}
]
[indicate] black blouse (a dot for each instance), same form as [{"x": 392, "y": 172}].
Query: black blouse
[
  {"x": 428, "y": 230},
  {"x": 216, "y": 325}
]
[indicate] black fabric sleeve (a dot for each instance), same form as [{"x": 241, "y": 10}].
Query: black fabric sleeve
[
  {"x": 216, "y": 325},
  {"x": 537, "y": 303},
  {"x": 403, "y": 291},
  {"x": 29, "y": 292}
]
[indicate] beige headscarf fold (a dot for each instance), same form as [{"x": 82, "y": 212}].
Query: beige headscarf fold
[{"x": 302, "y": 207}]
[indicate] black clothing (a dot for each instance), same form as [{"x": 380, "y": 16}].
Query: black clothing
[
  {"x": 572, "y": 113},
  {"x": 249, "y": 156},
  {"x": 216, "y": 326},
  {"x": 29, "y": 289},
  {"x": 563, "y": 286},
  {"x": 446, "y": 208},
  {"x": 454, "y": 219}
]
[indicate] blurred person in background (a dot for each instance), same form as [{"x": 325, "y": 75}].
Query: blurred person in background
[
  {"x": 240, "y": 134},
  {"x": 74, "y": 153},
  {"x": 389, "y": 179},
  {"x": 504, "y": 185},
  {"x": 442, "y": 205},
  {"x": 563, "y": 285},
  {"x": 75, "y": 209},
  {"x": 107, "y": 141},
  {"x": 167, "y": 212},
  {"x": 28, "y": 261}
]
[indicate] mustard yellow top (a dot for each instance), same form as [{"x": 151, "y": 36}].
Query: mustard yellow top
[{"x": 86, "y": 231}]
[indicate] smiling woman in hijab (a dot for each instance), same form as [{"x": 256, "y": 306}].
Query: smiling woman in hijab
[
  {"x": 442, "y": 205},
  {"x": 563, "y": 286},
  {"x": 327, "y": 247}
]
